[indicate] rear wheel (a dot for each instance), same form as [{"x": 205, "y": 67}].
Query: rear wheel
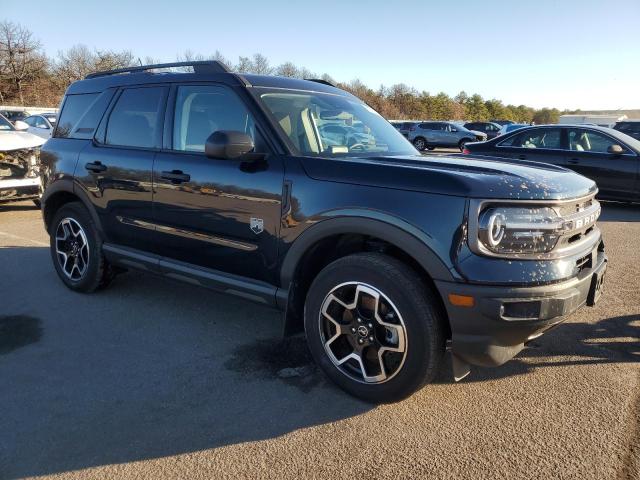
[
  {"x": 76, "y": 250},
  {"x": 420, "y": 143},
  {"x": 374, "y": 327}
]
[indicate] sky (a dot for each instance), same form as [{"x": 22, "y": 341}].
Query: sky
[{"x": 542, "y": 53}]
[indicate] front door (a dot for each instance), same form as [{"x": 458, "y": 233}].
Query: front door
[
  {"x": 615, "y": 174},
  {"x": 214, "y": 213}
]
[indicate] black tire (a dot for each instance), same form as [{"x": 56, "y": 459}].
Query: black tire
[
  {"x": 98, "y": 273},
  {"x": 462, "y": 143},
  {"x": 418, "y": 309},
  {"x": 420, "y": 143}
]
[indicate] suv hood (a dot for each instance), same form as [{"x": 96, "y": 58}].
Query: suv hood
[
  {"x": 11, "y": 140},
  {"x": 489, "y": 178}
]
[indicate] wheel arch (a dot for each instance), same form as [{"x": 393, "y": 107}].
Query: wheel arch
[
  {"x": 334, "y": 238},
  {"x": 60, "y": 193}
]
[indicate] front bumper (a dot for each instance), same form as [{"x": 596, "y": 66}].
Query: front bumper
[
  {"x": 502, "y": 319},
  {"x": 19, "y": 188}
]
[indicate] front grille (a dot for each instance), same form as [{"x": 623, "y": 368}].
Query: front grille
[
  {"x": 571, "y": 208},
  {"x": 584, "y": 263},
  {"x": 580, "y": 222}
]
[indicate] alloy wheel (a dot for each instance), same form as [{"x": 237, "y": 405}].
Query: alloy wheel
[
  {"x": 363, "y": 333},
  {"x": 72, "y": 248}
]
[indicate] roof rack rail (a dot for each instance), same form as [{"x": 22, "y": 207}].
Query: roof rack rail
[
  {"x": 321, "y": 80},
  {"x": 208, "y": 66}
]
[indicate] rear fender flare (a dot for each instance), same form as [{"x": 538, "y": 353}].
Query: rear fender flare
[{"x": 66, "y": 185}]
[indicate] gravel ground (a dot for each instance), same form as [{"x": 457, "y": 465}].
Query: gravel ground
[{"x": 153, "y": 379}]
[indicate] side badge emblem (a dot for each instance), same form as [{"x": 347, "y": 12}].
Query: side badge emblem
[{"x": 257, "y": 225}]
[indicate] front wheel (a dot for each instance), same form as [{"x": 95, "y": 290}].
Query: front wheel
[
  {"x": 374, "y": 327},
  {"x": 463, "y": 143}
]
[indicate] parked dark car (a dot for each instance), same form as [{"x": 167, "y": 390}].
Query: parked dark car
[
  {"x": 510, "y": 127},
  {"x": 404, "y": 127},
  {"x": 502, "y": 123},
  {"x": 14, "y": 115},
  {"x": 381, "y": 256},
  {"x": 630, "y": 127},
  {"x": 429, "y": 135},
  {"x": 607, "y": 156},
  {"x": 491, "y": 129}
]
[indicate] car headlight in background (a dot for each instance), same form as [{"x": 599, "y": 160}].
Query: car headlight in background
[{"x": 519, "y": 230}]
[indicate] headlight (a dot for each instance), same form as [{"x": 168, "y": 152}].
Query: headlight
[{"x": 519, "y": 230}]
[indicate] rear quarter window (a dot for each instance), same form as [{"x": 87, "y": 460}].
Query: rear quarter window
[{"x": 81, "y": 114}]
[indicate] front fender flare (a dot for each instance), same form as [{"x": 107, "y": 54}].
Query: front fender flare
[{"x": 413, "y": 241}]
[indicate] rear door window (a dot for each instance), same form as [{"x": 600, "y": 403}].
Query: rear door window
[
  {"x": 547, "y": 138},
  {"x": 135, "y": 120}
]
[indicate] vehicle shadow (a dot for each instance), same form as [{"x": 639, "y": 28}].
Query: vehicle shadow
[
  {"x": 611, "y": 340},
  {"x": 21, "y": 206},
  {"x": 145, "y": 369},
  {"x": 150, "y": 368}
]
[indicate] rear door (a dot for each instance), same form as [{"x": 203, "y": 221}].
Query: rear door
[
  {"x": 615, "y": 174},
  {"x": 534, "y": 144},
  {"x": 115, "y": 169}
]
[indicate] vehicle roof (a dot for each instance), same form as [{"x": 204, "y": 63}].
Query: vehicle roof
[{"x": 100, "y": 83}]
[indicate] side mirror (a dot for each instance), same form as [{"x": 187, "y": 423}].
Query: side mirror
[
  {"x": 615, "y": 150},
  {"x": 453, "y": 129},
  {"x": 20, "y": 125},
  {"x": 228, "y": 144}
]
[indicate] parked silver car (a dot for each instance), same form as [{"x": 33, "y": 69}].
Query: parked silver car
[
  {"x": 41, "y": 124},
  {"x": 429, "y": 135}
]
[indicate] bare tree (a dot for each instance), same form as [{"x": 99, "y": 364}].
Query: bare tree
[
  {"x": 245, "y": 65},
  {"x": 78, "y": 61},
  {"x": 21, "y": 57},
  {"x": 287, "y": 69},
  {"x": 261, "y": 65}
]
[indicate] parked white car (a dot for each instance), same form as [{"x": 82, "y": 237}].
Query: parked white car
[
  {"x": 41, "y": 124},
  {"x": 19, "y": 163}
]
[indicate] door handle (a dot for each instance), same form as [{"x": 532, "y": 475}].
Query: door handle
[
  {"x": 522, "y": 157},
  {"x": 175, "y": 176},
  {"x": 95, "y": 167},
  {"x": 574, "y": 161}
]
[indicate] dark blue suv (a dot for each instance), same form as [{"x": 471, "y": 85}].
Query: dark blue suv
[{"x": 297, "y": 195}]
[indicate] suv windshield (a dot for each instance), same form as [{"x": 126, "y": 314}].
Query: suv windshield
[{"x": 329, "y": 125}]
